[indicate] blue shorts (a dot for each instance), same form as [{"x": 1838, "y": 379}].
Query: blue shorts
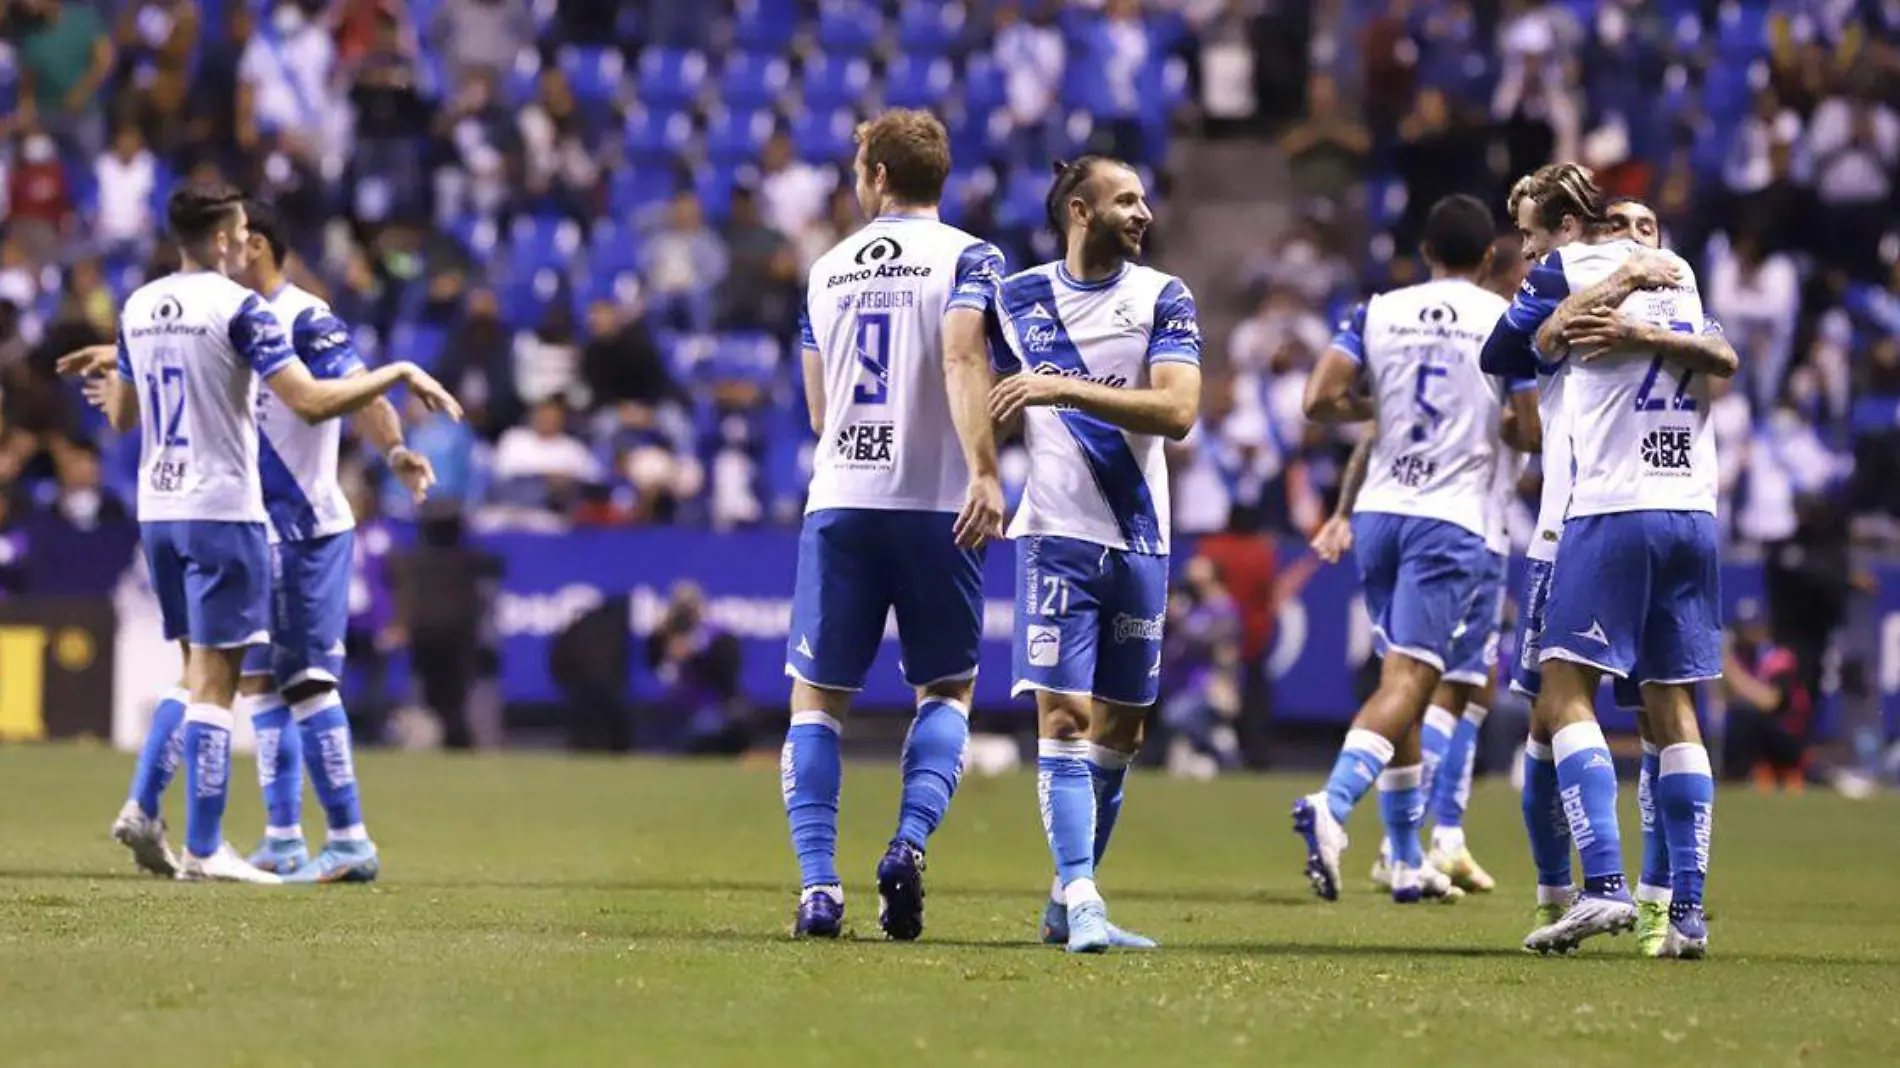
[
  {"x": 310, "y": 609},
  {"x": 212, "y": 580},
  {"x": 1474, "y": 647},
  {"x": 1088, "y": 620},
  {"x": 857, "y": 565},
  {"x": 1638, "y": 595},
  {"x": 1424, "y": 580},
  {"x": 1527, "y": 677}
]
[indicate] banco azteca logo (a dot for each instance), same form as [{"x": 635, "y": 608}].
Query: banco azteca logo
[
  {"x": 1438, "y": 315},
  {"x": 878, "y": 250},
  {"x": 168, "y": 310}
]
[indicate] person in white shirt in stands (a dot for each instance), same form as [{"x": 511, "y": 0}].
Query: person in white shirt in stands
[
  {"x": 127, "y": 175},
  {"x": 1757, "y": 295},
  {"x": 544, "y": 453}
]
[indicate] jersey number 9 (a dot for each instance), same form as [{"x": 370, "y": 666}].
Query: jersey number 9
[{"x": 873, "y": 345}]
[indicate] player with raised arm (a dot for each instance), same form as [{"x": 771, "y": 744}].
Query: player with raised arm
[
  {"x": 1106, "y": 362},
  {"x": 1419, "y": 531},
  {"x": 904, "y": 496},
  {"x": 192, "y": 347},
  {"x": 1635, "y": 591}
]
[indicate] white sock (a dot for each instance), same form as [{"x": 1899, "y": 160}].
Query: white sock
[
  {"x": 1081, "y": 892},
  {"x": 833, "y": 890},
  {"x": 1448, "y": 839}
]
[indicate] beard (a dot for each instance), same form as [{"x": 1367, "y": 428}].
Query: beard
[{"x": 1109, "y": 241}]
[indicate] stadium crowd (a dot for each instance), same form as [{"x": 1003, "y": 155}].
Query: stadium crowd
[{"x": 592, "y": 219}]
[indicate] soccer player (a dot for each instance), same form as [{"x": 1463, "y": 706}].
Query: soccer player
[
  {"x": 904, "y": 495},
  {"x": 192, "y": 347},
  {"x": 1106, "y": 355},
  {"x": 1635, "y": 591},
  {"x": 1419, "y": 531}
]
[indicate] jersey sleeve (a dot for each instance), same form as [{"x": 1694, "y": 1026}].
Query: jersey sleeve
[
  {"x": 1711, "y": 326},
  {"x": 806, "y": 340},
  {"x": 324, "y": 344},
  {"x": 1511, "y": 349},
  {"x": 1176, "y": 337},
  {"x": 979, "y": 277},
  {"x": 125, "y": 359},
  {"x": 1350, "y": 336},
  {"x": 259, "y": 338}
]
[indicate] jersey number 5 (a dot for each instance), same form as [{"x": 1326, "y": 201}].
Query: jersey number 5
[
  {"x": 873, "y": 344},
  {"x": 165, "y": 392},
  {"x": 1429, "y": 413},
  {"x": 1646, "y": 398}
]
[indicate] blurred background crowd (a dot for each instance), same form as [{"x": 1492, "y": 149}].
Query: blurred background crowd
[{"x": 593, "y": 218}]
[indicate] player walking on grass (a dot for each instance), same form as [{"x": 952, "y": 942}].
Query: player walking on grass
[
  {"x": 1635, "y": 592},
  {"x": 1419, "y": 531},
  {"x": 1106, "y": 355},
  {"x": 904, "y": 496},
  {"x": 192, "y": 347}
]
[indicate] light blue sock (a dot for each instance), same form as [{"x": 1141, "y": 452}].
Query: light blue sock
[
  {"x": 1434, "y": 737},
  {"x": 1108, "y": 775},
  {"x": 207, "y": 760},
  {"x": 1066, "y": 793},
  {"x": 1653, "y": 883},
  {"x": 1586, "y": 782},
  {"x": 1685, "y": 800},
  {"x": 1544, "y": 820},
  {"x": 1402, "y": 803},
  {"x": 158, "y": 757},
  {"x": 810, "y": 776},
  {"x": 1452, "y": 790},
  {"x": 932, "y": 763},
  {"x": 323, "y": 729},
  {"x": 279, "y": 766},
  {"x": 1363, "y": 756}
]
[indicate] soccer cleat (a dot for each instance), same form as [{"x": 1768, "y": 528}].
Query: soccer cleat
[
  {"x": 145, "y": 837},
  {"x": 820, "y": 914},
  {"x": 1381, "y": 874},
  {"x": 1463, "y": 871},
  {"x": 1325, "y": 841},
  {"x": 347, "y": 861},
  {"x": 1055, "y": 930},
  {"x": 900, "y": 892},
  {"x": 1686, "y": 938},
  {"x": 1550, "y": 913},
  {"x": 1424, "y": 883},
  {"x": 1088, "y": 928},
  {"x": 1652, "y": 927},
  {"x": 1590, "y": 915},
  {"x": 284, "y": 856},
  {"x": 224, "y": 866}
]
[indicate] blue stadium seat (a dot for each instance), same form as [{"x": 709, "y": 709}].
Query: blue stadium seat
[
  {"x": 421, "y": 343},
  {"x": 735, "y": 136},
  {"x": 918, "y": 83},
  {"x": 823, "y": 136},
  {"x": 834, "y": 84},
  {"x": 657, "y": 135},
  {"x": 636, "y": 190},
  {"x": 848, "y": 27},
  {"x": 753, "y": 356},
  {"x": 596, "y": 74},
  {"x": 478, "y": 235},
  {"x": 765, "y": 26},
  {"x": 523, "y": 79},
  {"x": 984, "y": 86},
  {"x": 1024, "y": 201},
  {"x": 671, "y": 78},
  {"x": 1742, "y": 31},
  {"x": 525, "y": 299},
  {"x": 753, "y": 81},
  {"x": 929, "y": 29},
  {"x": 714, "y": 185},
  {"x": 9, "y": 83},
  {"x": 539, "y": 243},
  {"x": 612, "y": 248}
]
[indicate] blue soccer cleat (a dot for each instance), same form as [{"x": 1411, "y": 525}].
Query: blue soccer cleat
[
  {"x": 1688, "y": 936},
  {"x": 283, "y": 856},
  {"x": 900, "y": 892},
  {"x": 1590, "y": 915},
  {"x": 1088, "y": 927},
  {"x": 1055, "y": 930},
  {"x": 341, "y": 862},
  {"x": 820, "y": 914}
]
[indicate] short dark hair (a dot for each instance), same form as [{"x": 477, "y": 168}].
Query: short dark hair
[
  {"x": 1458, "y": 232},
  {"x": 913, "y": 148},
  {"x": 197, "y": 209},
  {"x": 264, "y": 223}
]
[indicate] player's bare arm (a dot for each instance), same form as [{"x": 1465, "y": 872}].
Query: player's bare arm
[
  {"x": 1168, "y": 407},
  {"x": 814, "y": 368},
  {"x": 966, "y": 372},
  {"x": 89, "y": 361},
  {"x": 316, "y": 400},
  {"x": 1333, "y": 539},
  {"x": 1599, "y": 331},
  {"x": 1644, "y": 270},
  {"x": 115, "y": 397},
  {"x": 1523, "y": 425},
  {"x": 1332, "y": 391},
  {"x": 379, "y": 424}
]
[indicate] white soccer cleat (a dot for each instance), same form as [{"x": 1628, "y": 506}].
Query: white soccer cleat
[
  {"x": 1424, "y": 883},
  {"x": 1462, "y": 869},
  {"x": 1381, "y": 874},
  {"x": 1590, "y": 915},
  {"x": 145, "y": 837},
  {"x": 224, "y": 866},
  {"x": 1325, "y": 840}
]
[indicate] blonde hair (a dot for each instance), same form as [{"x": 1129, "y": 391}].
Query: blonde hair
[
  {"x": 913, "y": 148},
  {"x": 1557, "y": 190}
]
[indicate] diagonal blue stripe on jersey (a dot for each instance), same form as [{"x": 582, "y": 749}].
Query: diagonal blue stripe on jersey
[
  {"x": 1117, "y": 472},
  {"x": 289, "y": 508}
]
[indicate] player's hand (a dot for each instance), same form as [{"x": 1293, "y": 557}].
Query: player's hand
[
  {"x": 1009, "y": 397},
  {"x": 1595, "y": 333},
  {"x": 981, "y": 520},
  {"x": 433, "y": 394},
  {"x": 413, "y": 470},
  {"x": 1652, "y": 270},
  {"x": 89, "y": 361},
  {"x": 97, "y": 388},
  {"x": 1333, "y": 539}
]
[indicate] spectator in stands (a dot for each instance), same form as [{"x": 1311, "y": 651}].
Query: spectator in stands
[
  {"x": 1202, "y": 663},
  {"x": 1390, "y": 60},
  {"x": 1326, "y": 150},
  {"x": 700, "y": 664},
  {"x": 1748, "y": 168},
  {"x": 761, "y": 290},
  {"x": 79, "y": 498},
  {"x": 1031, "y": 54},
  {"x": 65, "y": 58},
  {"x": 478, "y": 364},
  {"x": 287, "y": 92},
  {"x": 660, "y": 478},
  {"x": 476, "y": 34},
  {"x": 156, "y": 40},
  {"x": 794, "y": 192},
  {"x": 1757, "y": 297},
  {"x": 541, "y": 465},
  {"x": 682, "y": 266},
  {"x": 561, "y": 172},
  {"x": 214, "y": 126},
  {"x": 487, "y": 141},
  {"x": 621, "y": 363},
  {"x": 596, "y": 22},
  {"x": 19, "y": 288},
  {"x": 390, "y": 172},
  {"x": 547, "y": 360},
  {"x": 1439, "y": 153},
  {"x": 123, "y": 226},
  {"x": 40, "y": 208},
  {"x": 1855, "y": 147},
  {"x": 1536, "y": 109},
  {"x": 86, "y": 298}
]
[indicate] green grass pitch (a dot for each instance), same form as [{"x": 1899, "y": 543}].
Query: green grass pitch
[{"x": 546, "y": 910}]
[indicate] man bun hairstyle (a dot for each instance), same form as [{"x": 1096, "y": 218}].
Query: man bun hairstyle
[
  {"x": 914, "y": 150},
  {"x": 1069, "y": 176}
]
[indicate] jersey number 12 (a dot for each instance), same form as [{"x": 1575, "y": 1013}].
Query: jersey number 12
[{"x": 165, "y": 391}]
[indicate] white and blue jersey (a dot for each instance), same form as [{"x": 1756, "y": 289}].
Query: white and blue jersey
[
  {"x": 193, "y": 346},
  {"x": 1421, "y": 523},
  {"x": 1092, "y": 529},
  {"x": 888, "y": 473},
  {"x": 311, "y": 523},
  {"x": 1635, "y": 592}
]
